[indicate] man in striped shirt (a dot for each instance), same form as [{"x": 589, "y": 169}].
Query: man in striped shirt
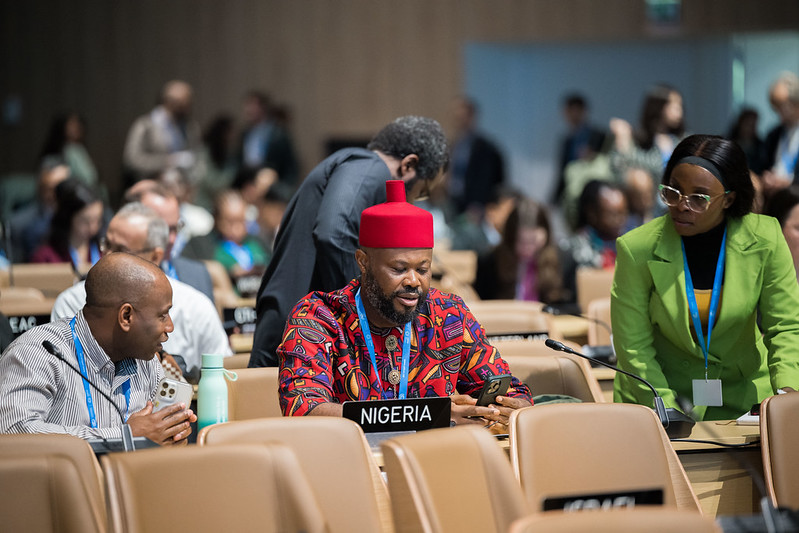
[{"x": 113, "y": 340}]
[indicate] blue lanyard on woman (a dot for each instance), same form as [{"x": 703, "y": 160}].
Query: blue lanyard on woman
[
  {"x": 241, "y": 254},
  {"x": 714, "y": 297},
  {"x": 94, "y": 254},
  {"x": 406, "y": 349},
  {"x": 86, "y": 386}
]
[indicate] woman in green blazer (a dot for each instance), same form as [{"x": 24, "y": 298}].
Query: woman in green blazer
[{"x": 732, "y": 256}]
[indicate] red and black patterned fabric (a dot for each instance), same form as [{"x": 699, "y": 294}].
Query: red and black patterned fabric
[{"x": 323, "y": 357}]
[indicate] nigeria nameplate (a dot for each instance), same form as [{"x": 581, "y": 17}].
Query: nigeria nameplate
[{"x": 412, "y": 414}]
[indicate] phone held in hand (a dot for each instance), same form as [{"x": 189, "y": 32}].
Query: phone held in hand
[
  {"x": 493, "y": 387},
  {"x": 171, "y": 391}
]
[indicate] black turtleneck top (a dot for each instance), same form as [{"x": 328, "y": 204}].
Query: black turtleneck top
[{"x": 702, "y": 252}]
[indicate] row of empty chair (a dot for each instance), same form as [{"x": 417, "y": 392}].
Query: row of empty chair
[{"x": 319, "y": 474}]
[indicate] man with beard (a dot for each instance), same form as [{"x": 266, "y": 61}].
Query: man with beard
[{"x": 388, "y": 334}]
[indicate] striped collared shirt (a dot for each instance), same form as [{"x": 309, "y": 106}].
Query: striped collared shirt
[{"x": 41, "y": 394}]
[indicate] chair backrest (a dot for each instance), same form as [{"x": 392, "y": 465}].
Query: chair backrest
[
  {"x": 451, "y": 479},
  {"x": 253, "y": 394},
  {"x": 651, "y": 520},
  {"x": 461, "y": 264},
  {"x": 20, "y": 294},
  {"x": 592, "y": 284},
  {"x": 50, "y": 483},
  {"x": 556, "y": 374},
  {"x": 528, "y": 348},
  {"x": 334, "y": 456},
  {"x": 599, "y": 310},
  {"x": 779, "y": 434},
  {"x": 505, "y": 317},
  {"x": 204, "y": 489},
  {"x": 629, "y": 452},
  {"x": 50, "y": 278}
]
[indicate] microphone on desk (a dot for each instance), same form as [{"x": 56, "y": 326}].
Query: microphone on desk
[
  {"x": 127, "y": 434},
  {"x": 676, "y": 423}
]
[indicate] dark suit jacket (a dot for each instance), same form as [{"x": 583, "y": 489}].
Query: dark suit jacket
[
  {"x": 484, "y": 174},
  {"x": 315, "y": 247},
  {"x": 770, "y": 147}
]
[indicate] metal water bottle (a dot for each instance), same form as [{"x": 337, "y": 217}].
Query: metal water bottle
[{"x": 212, "y": 392}]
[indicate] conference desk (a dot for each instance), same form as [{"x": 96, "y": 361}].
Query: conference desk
[{"x": 720, "y": 476}]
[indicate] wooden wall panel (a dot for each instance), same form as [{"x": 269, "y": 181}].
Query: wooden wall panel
[{"x": 344, "y": 67}]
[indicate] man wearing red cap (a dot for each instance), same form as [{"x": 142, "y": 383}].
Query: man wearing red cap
[
  {"x": 315, "y": 246},
  {"x": 387, "y": 334}
]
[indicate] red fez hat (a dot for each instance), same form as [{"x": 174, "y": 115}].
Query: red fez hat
[{"x": 396, "y": 223}]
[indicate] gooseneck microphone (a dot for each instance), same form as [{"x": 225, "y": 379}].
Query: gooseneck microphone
[
  {"x": 679, "y": 423},
  {"x": 127, "y": 434}
]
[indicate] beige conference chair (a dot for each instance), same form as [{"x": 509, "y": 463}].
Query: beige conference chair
[
  {"x": 510, "y": 317},
  {"x": 779, "y": 434},
  {"x": 253, "y": 394},
  {"x": 650, "y": 520},
  {"x": 335, "y": 458},
  {"x": 451, "y": 479},
  {"x": 50, "y": 483},
  {"x": 592, "y": 284},
  {"x": 590, "y": 449},
  {"x": 556, "y": 374},
  {"x": 209, "y": 489},
  {"x": 599, "y": 310}
]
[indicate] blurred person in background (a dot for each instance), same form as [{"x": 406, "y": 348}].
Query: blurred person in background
[
  {"x": 582, "y": 142},
  {"x": 74, "y": 229},
  {"x": 166, "y": 137},
  {"x": 220, "y": 161},
  {"x": 265, "y": 143},
  {"x": 478, "y": 169},
  {"x": 525, "y": 265},
  {"x": 744, "y": 132},
  {"x": 30, "y": 225},
  {"x": 66, "y": 140},
  {"x": 661, "y": 127},
  {"x": 782, "y": 143},
  {"x": 244, "y": 256}
]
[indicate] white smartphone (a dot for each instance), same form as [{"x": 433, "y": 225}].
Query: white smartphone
[{"x": 170, "y": 392}]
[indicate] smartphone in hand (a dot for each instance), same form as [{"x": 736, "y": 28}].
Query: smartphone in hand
[
  {"x": 493, "y": 387},
  {"x": 170, "y": 392}
]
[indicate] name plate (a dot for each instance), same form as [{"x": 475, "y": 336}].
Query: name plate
[
  {"x": 605, "y": 501},
  {"x": 239, "y": 319},
  {"x": 412, "y": 414},
  {"x": 22, "y": 323}
]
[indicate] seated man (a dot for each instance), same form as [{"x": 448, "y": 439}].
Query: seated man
[
  {"x": 114, "y": 338},
  {"x": 388, "y": 334},
  {"x": 139, "y": 230}
]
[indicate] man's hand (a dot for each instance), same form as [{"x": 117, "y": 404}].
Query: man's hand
[
  {"x": 171, "y": 425},
  {"x": 466, "y": 411}
]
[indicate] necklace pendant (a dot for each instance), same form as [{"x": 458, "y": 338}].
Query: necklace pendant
[
  {"x": 394, "y": 376},
  {"x": 391, "y": 343}
]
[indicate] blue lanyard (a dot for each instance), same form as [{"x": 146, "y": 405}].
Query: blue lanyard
[
  {"x": 169, "y": 269},
  {"x": 714, "y": 297},
  {"x": 86, "y": 386},
  {"x": 241, "y": 254},
  {"x": 406, "y": 349},
  {"x": 94, "y": 254}
]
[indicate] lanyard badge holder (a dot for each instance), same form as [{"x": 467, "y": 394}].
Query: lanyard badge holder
[{"x": 706, "y": 391}]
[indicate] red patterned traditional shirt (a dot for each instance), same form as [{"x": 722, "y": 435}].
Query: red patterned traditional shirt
[{"x": 323, "y": 357}]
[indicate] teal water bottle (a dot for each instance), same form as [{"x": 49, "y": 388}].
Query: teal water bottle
[{"x": 212, "y": 391}]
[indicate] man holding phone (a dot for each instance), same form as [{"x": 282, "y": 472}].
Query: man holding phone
[
  {"x": 113, "y": 341},
  {"x": 389, "y": 335}
]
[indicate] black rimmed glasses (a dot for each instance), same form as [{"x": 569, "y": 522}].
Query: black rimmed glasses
[{"x": 698, "y": 203}]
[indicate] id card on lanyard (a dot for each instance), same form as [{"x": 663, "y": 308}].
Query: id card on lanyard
[
  {"x": 406, "y": 350},
  {"x": 86, "y": 387},
  {"x": 706, "y": 392}
]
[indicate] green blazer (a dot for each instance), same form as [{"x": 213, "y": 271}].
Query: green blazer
[{"x": 650, "y": 318}]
